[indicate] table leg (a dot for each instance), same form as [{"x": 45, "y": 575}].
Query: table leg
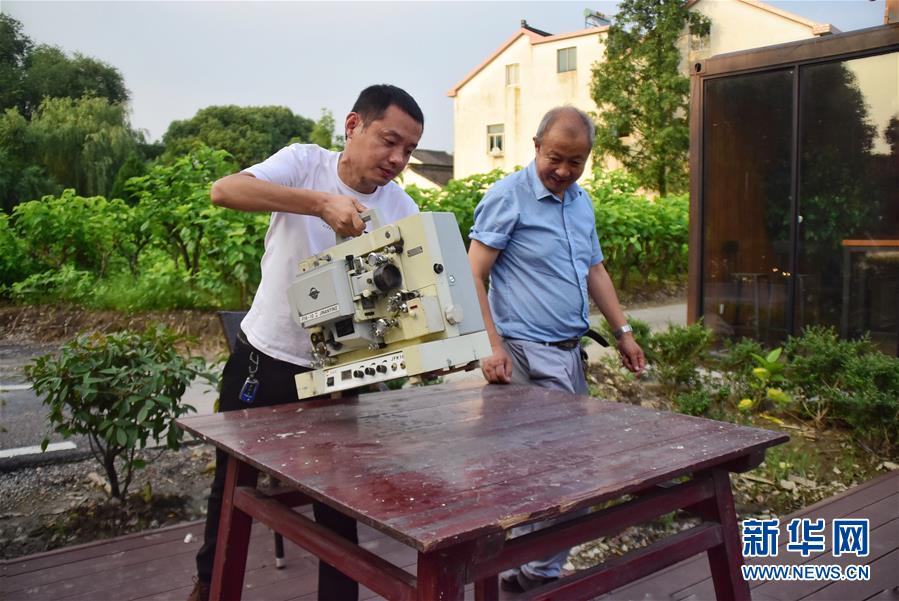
[
  {"x": 725, "y": 559},
  {"x": 234, "y": 536},
  {"x": 487, "y": 589},
  {"x": 441, "y": 575}
]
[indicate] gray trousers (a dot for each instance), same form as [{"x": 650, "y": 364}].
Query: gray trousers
[{"x": 559, "y": 369}]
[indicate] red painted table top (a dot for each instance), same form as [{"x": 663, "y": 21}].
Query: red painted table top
[{"x": 438, "y": 465}]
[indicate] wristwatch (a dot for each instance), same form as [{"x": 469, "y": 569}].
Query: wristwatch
[{"x": 622, "y": 331}]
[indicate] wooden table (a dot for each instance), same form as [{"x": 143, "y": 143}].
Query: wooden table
[{"x": 450, "y": 469}]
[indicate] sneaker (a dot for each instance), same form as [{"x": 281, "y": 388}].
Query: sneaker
[
  {"x": 508, "y": 581},
  {"x": 200, "y": 592}
]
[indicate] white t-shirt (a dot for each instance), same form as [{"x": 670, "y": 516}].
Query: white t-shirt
[{"x": 292, "y": 238}]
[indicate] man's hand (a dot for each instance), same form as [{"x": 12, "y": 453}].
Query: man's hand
[
  {"x": 497, "y": 368},
  {"x": 631, "y": 354},
  {"x": 342, "y": 214}
]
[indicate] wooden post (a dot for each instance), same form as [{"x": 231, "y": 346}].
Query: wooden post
[
  {"x": 725, "y": 559},
  {"x": 234, "y": 536},
  {"x": 441, "y": 576},
  {"x": 487, "y": 589}
]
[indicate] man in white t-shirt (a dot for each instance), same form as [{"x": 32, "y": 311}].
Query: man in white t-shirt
[{"x": 312, "y": 194}]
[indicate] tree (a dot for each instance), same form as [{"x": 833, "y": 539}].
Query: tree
[
  {"x": 14, "y": 50},
  {"x": 120, "y": 390},
  {"x": 49, "y": 73},
  {"x": 641, "y": 92},
  {"x": 21, "y": 179},
  {"x": 249, "y": 133},
  {"x": 82, "y": 143},
  {"x": 323, "y": 132}
]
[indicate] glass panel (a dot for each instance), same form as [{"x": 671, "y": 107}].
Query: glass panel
[
  {"x": 746, "y": 204},
  {"x": 495, "y": 138},
  {"x": 848, "y": 262},
  {"x": 512, "y": 74},
  {"x": 566, "y": 59}
]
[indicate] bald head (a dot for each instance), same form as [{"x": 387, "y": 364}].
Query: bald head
[
  {"x": 563, "y": 144},
  {"x": 571, "y": 122}
]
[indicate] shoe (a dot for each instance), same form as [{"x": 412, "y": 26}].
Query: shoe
[
  {"x": 519, "y": 582},
  {"x": 508, "y": 581},
  {"x": 200, "y": 592}
]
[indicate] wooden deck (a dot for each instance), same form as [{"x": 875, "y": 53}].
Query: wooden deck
[{"x": 159, "y": 565}]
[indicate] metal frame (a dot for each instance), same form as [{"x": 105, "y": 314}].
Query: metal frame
[{"x": 865, "y": 42}]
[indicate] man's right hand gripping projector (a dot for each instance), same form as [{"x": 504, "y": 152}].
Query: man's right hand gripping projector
[{"x": 397, "y": 301}]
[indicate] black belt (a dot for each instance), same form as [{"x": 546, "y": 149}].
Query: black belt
[
  {"x": 565, "y": 345},
  {"x": 573, "y": 343}
]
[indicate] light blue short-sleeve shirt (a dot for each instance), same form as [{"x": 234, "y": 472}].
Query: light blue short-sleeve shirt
[{"x": 538, "y": 284}]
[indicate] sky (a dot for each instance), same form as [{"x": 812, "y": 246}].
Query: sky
[{"x": 178, "y": 57}]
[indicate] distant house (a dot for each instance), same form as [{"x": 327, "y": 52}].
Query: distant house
[
  {"x": 498, "y": 105},
  {"x": 428, "y": 169}
]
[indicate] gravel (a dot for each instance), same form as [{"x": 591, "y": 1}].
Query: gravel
[{"x": 46, "y": 507}]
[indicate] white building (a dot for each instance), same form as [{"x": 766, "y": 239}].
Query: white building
[{"x": 498, "y": 105}]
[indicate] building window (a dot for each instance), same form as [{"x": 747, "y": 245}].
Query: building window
[
  {"x": 699, "y": 41},
  {"x": 566, "y": 59},
  {"x": 512, "y": 74},
  {"x": 495, "y": 139}
]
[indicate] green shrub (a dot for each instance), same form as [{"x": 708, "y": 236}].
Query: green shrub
[
  {"x": 695, "y": 402},
  {"x": 871, "y": 401},
  {"x": 120, "y": 390},
  {"x": 818, "y": 357},
  {"x": 65, "y": 284},
  {"x": 737, "y": 357},
  {"x": 845, "y": 382},
  {"x": 677, "y": 352},
  {"x": 70, "y": 230},
  {"x": 644, "y": 240},
  {"x": 13, "y": 261}
]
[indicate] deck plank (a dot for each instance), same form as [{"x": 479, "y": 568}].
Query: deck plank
[
  {"x": 668, "y": 583},
  {"x": 159, "y": 566}
]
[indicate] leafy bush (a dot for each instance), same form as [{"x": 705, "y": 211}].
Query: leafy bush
[
  {"x": 694, "y": 402},
  {"x": 818, "y": 357},
  {"x": 65, "y": 284},
  {"x": 644, "y": 240},
  {"x": 844, "y": 382},
  {"x": 120, "y": 390},
  {"x": 765, "y": 383},
  {"x": 868, "y": 398},
  {"x": 677, "y": 352},
  {"x": 737, "y": 358},
  {"x": 13, "y": 265},
  {"x": 172, "y": 249},
  {"x": 70, "y": 230}
]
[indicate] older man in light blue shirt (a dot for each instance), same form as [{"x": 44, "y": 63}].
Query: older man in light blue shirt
[{"x": 534, "y": 236}]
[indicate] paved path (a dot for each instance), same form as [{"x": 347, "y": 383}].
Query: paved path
[{"x": 658, "y": 319}]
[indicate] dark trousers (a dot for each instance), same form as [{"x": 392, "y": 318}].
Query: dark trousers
[{"x": 276, "y": 386}]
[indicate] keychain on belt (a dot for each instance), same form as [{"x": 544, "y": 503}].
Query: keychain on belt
[{"x": 251, "y": 385}]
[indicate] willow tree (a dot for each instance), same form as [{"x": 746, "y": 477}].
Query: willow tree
[
  {"x": 642, "y": 95},
  {"x": 82, "y": 143}
]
